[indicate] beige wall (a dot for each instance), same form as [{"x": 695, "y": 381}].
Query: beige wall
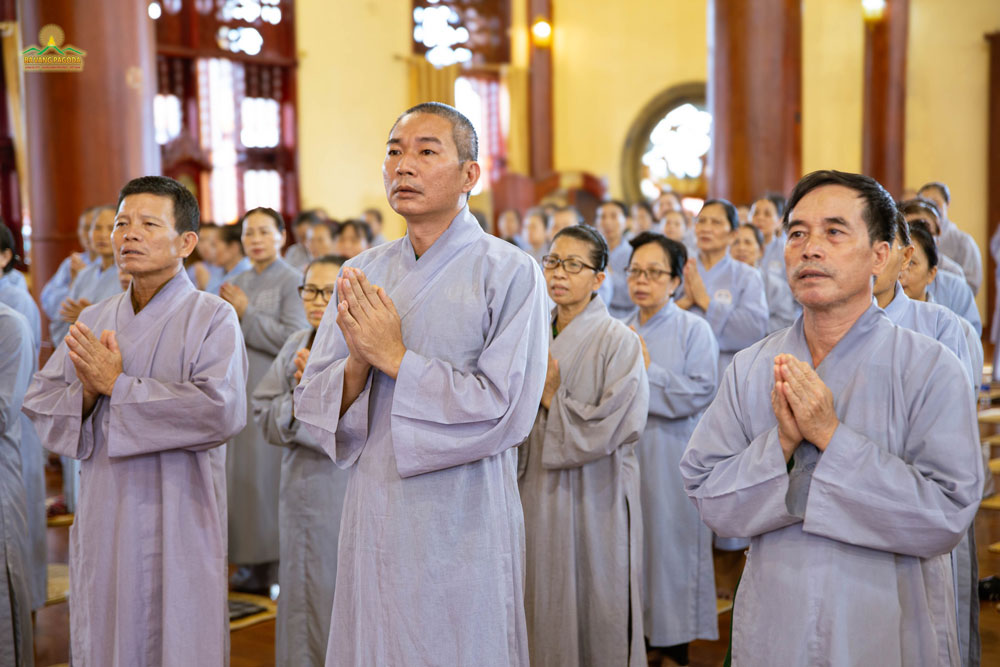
[
  {"x": 946, "y": 123},
  {"x": 609, "y": 60},
  {"x": 351, "y": 88},
  {"x": 833, "y": 51}
]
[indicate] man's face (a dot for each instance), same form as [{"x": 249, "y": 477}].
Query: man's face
[
  {"x": 829, "y": 258},
  {"x": 145, "y": 239},
  {"x": 100, "y": 232},
  {"x": 611, "y": 222},
  {"x": 421, "y": 171}
]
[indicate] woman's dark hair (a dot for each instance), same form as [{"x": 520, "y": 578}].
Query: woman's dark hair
[
  {"x": 7, "y": 243},
  {"x": 920, "y": 233},
  {"x": 592, "y": 237},
  {"x": 360, "y": 228},
  {"x": 186, "y": 213},
  {"x": 727, "y": 206},
  {"x": 644, "y": 205},
  {"x": 757, "y": 235},
  {"x": 311, "y": 216},
  {"x": 921, "y": 205},
  {"x": 279, "y": 222},
  {"x": 331, "y": 260},
  {"x": 230, "y": 234},
  {"x": 675, "y": 252},
  {"x": 880, "y": 209}
]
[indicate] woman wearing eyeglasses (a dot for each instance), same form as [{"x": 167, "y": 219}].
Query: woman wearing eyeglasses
[
  {"x": 681, "y": 359},
  {"x": 312, "y": 488},
  {"x": 578, "y": 473}
]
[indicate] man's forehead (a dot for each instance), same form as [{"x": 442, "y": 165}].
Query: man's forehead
[
  {"x": 417, "y": 126},
  {"x": 828, "y": 201}
]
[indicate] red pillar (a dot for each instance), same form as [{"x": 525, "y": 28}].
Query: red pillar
[
  {"x": 88, "y": 132},
  {"x": 884, "y": 125},
  {"x": 754, "y": 95}
]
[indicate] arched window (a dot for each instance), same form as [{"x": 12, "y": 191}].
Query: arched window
[{"x": 667, "y": 146}]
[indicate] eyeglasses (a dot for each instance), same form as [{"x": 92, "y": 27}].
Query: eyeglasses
[
  {"x": 310, "y": 292},
  {"x": 570, "y": 265},
  {"x": 655, "y": 275}
]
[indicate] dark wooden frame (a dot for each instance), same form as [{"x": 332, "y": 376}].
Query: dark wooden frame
[{"x": 992, "y": 177}]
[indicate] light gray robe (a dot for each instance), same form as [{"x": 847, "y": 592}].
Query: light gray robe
[
  {"x": 678, "y": 583},
  {"x": 92, "y": 284},
  {"x": 737, "y": 310},
  {"x": 32, "y": 456},
  {"x": 431, "y": 558},
  {"x": 849, "y": 558},
  {"x": 297, "y": 256},
  {"x": 621, "y": 305},
  {"x": 309, "y": 508},
  {"x": 17, "y": 359},
  {"x": 955, "y": 294},
  {"x": 579, "y": 483},
  {"x": 937, "y": 322},
  {"x": 253, "y": 467},
  {"x": 148, "y": 579},
  {"x": 962, "y": 248},
  {"x": 781, "y": 304}
]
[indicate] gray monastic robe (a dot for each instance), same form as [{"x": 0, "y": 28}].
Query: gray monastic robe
[
  {"x": 781, "y": 304},
  {"x": 849, "y": 558},
  {"x": 253, "y": 466},
  {"x": 17, "y": 359},
  {"x": 431, "y": 558},
  {"x": 309, "y": 508},
  {"x": 579, "y": 483},
  {"x": 148, "y": 579},
  {"x": 678, "y": 582},
  {"x": 32, "y": 456},
  {"x": 93, "y": 284}
]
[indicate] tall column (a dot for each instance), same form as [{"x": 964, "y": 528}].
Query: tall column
[
  {"x": 755, "y": 97},
  {"x": 992, "y": 173},
  {"x": 540, "y": 96},
  {"x": 884, "y": 126},
  {"x": 88, "y": 132}
]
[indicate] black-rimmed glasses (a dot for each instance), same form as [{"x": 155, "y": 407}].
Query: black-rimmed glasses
[
  {"x": 570, "y": 265},
  {"x": 655, "y": 275},
  {"x": 310, "y": 292}
]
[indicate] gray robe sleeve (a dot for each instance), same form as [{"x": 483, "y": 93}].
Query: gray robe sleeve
[
  {"x": 919, "y": 503},
  {"x": 577, "y": 432},
  {"x": 272, "y": 401},
  {"x": 204, "y": 412},
  {"x": 676, "y": 395},
  {"x": 54, "y": 403},
  {"x": 267, "y": 332},
  {"x": 16, "y": 362},
  {"x": 477, "y": 414},
  {"x": 743, "y": 321},
  {"x": 739, "y": 485}
]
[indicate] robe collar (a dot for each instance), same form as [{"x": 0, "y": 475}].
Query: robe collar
[
  {"x": 846, "y": 351},
  {"x": 899, "y": 305},
  {"x": 719, "y": 267},
  {"x": 156, "y": 308},
  {"x": 664, "y": 314}
]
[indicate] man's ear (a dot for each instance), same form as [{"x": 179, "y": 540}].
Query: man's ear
[
  {"x": 472, "y": 172},
  {"x": 188, "y": 242},
  {"x": 881, "y": 256}
]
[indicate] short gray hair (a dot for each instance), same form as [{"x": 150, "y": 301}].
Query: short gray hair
[{"x": 462, "y": 131}]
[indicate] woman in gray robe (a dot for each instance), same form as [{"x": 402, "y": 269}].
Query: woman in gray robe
[
  {"x": 312, "y": 489},
  {"x": 269, "y": 308},
  {"x": 579, "y": 476},
  {"x": 681, "y": 358},
  {"x": 16, "y": 362}
]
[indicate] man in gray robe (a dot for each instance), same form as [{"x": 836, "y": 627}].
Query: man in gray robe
[
  {"x": 853, "y": 469},
  {"x": 423, "y": 386},
  {"x": 145, "y": 392},
  {"x": 953, "y": 242},
  {"x": 17, "y": 359}
]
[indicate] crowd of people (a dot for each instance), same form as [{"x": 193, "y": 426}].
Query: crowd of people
[{"x": 473, "y": 448}]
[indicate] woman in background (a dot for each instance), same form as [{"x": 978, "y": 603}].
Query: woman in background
[
  {"x": 747, "y": 245},
  {"x": 312, "y": 488},
  {"x": 680, "y": 355},
  {"x": 579, "y": 476}
]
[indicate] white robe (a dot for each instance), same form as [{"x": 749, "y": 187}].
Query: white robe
[
  {"x": 678, "y": 589},
  {"x": 579, "y": 483},
  {"x": 17, "y": 359},
  {"x": 431, "y": 556},
  {"x": 148, "y": 579},
  {"x": 309, "y": 508},
  {"x": 253, "y": 467},
  {"x": 849, "y": 558}
]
